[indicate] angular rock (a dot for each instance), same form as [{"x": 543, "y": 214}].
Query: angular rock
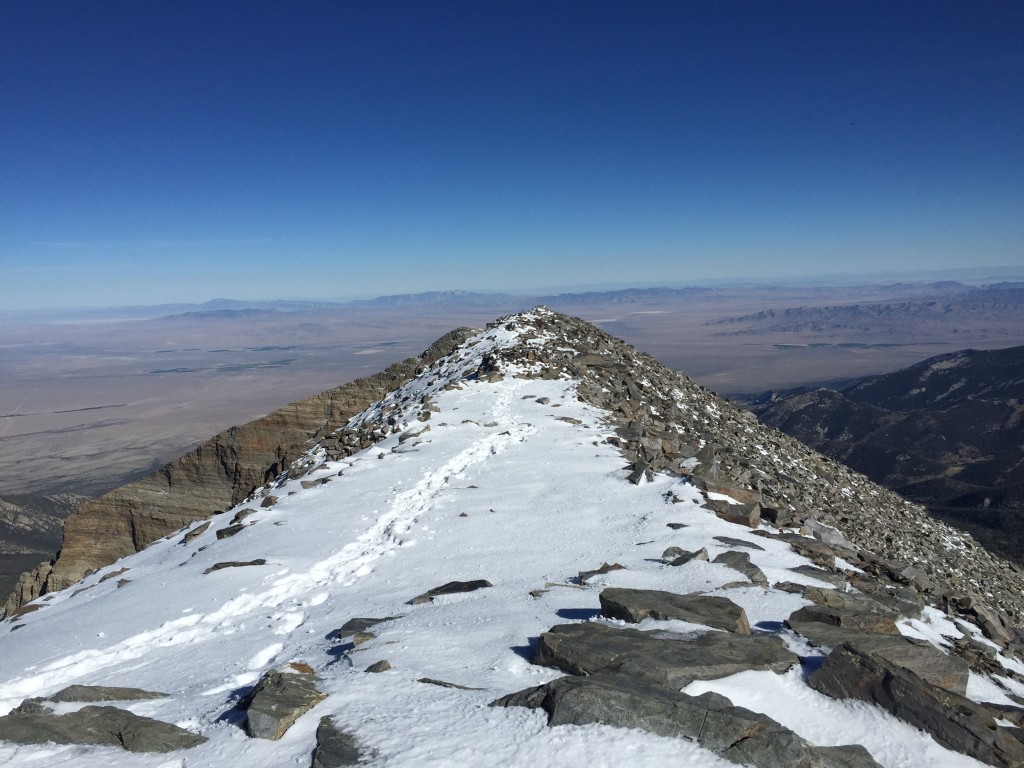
[
  {"x": 740, "y": 561},
  {"x": 451, "y": 588},
  {"x": 956, "y": 722},
  {"x": 604, "y": 568},
  {"x": 848, "y": 617},
  {"x": 234, "y": 564},
  {"x": 831, "y": 536},
  {"x": 920, "y": 657},
  {"x": 741, "y": 514},
  {"x": 229, "y": 531},
  {"x": 683, "y": 559},
  {"x": 280, "y": 698},
  {"x": 352, "y": 626},
  {"x": 95, "y": 726},
  {"x": 195, "y": 533},
  {"x": 334, "y": 747},
  {"x": 635, "y": 605},
  {"x": 663, "y": 658},
  {"x": 735, "y": 733},
  {"x": 379, "y": 666}
]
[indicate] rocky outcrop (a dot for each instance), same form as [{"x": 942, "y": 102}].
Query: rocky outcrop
[
  {"x": 953, "y": 720},
  {"x": 659, "y": 658},
  {"x": 219, "y": 474},
  {"x": 35, "y": 723},
  {"x": 711, "y": 720}
]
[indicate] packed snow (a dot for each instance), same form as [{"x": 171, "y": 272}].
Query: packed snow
[{"x": 499, "y": 488}]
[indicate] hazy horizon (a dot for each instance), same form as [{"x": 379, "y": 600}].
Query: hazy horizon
[{"x": 163, "y": 153}]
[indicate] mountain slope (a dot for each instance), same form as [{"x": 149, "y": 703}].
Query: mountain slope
[
  {"x": 213, "y": 477},
  {"x": 471, "y": 526},
  {"x": 947, "y": 433}
]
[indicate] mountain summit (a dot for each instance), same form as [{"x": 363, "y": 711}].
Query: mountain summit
[{"x": 540, "y": 546}]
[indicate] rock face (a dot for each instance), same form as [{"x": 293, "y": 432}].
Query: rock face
[{"x": 217, "y": 475}]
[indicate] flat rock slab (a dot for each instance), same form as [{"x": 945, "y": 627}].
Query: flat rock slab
[
  {"x": 922, "y": 658},
  {"x": 711, "y": 720},
  {"x": 835, "y": 598},
  {"x": 656, "y": 657},
  {"x": 849, "y": 616},
  {"x": 600, "y": 571},
  {"x": 635, "y": 605},
  {"x": 451, "y": 588},
  {"x": 730, "y": 541},
  {"x": 956, "y": 722},
  {"x": 280, "y": 698},
  {"x": 95, "y": 726},
  {"x": 104, "y": 693}
]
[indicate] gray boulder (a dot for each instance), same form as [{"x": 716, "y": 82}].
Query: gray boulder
[
  {"x": 740, "y": 561},
  {"x": 735, "y": 733},
  {"x": 657, "y": 657},
  {"x": 280, "y": 698},
  {"x": 956, "y": 722},
  {"x": 634, "y": 605},
  {"x": 94, "y": 726},
  {"x": 334, "y": 747}
]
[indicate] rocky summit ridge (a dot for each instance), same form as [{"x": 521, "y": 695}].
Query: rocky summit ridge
[{"x": 498, "y": 465}]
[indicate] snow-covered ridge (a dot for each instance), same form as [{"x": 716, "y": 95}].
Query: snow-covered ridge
[{"x": 497, "y": 464}]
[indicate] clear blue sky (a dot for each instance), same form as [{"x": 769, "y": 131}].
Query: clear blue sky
[{"x": 167, "y": 151}]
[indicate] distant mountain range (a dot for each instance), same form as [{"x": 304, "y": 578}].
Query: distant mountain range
[
  {"x": 898, "y": 298},
  {"x": 947, "y": 433}
]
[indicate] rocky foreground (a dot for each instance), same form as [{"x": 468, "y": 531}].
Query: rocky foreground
[{"x": 535, "y": 541}]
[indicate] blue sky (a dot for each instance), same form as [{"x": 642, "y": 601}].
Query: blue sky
[{"x": 177, "y": 151}]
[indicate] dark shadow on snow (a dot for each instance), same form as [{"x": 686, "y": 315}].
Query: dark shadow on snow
[
  {"x": 578, "y": 614},
  {"x": 526, "y": 651}
]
